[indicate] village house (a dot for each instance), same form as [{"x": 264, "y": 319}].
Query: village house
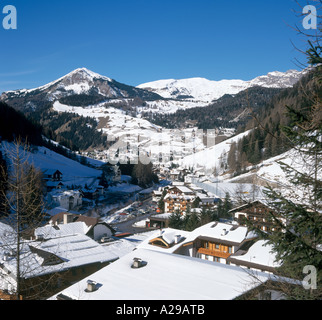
[
  {"x": 91, "y": 194},
  {"x": 52, "y": 185},
  {"x": 68, "y": 199},
  {"x": 159, "y": 221},
  {"x": 174, "y": 174},
  {"x": 178, "y": 198},
  {"x": 257, "y": 212},
  {"x": 219, "y": 243},
  {"x": 174, "y": 203},
  {"x": 57, "y": 257},
  {"x": 156, "y": 195},
  {"x": 52, "y": 175},
  {"x": 96, "y": 228},
  {"x": 214, "y": 241}
]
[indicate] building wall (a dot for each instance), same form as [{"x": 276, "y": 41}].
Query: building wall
[{"x": 101, "y": 230}]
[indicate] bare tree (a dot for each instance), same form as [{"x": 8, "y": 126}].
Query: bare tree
[{"x": 24, "y": 205}]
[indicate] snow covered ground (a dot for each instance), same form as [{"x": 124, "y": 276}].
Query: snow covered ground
[
  {"x": 133, "y": 134},
  {"x": 210, "y": 157},
  {"x": 44, "y": 159}
]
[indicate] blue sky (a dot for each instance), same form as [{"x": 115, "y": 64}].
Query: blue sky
[{"x": 137, "y": 41}]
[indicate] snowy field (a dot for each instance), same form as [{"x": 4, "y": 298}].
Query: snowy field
[{"x": 44, "y": 159}]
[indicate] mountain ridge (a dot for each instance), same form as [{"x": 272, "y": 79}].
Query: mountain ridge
[{"x": 205, "y": 90}]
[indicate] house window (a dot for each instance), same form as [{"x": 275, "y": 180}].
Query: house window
[
  {"x": 230, "y": 249},
  {"x": 217, "y": 246}
]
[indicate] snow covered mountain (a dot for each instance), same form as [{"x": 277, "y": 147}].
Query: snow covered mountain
[
  {"x": 79, "y": 87},
  {"x": 203, "y": 90},
  {"x": 116, "y": 109}
]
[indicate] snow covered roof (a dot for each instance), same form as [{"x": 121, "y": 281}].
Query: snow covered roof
[
  {"x": 179, "y": 197},
  {"x": 184, "y": 189},
  {"x": 165, "y": 277},
  {"x": 69, "y": 247},
  {"x": 247, "y": 205},
  {"x": 219, "y": 231},
  {"x": 260, "y": 254},
  {"x": 62, "y": 230}
]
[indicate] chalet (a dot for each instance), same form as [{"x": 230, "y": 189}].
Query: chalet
[
  {"x": 96, "y": 229},
  {"x": 173, "y": 203},
  {"x": 214, "y": 242},
  {"x": 179, "y": 197},
  {"x": 54, "y": 185},
  {"x": 257, "y": 212},
  {"x": 53, "y": 175}
]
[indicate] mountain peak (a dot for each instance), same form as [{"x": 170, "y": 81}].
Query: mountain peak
[{"x": 86, "y": 74}]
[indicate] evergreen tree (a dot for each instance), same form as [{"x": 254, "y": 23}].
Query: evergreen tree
[
  {"x": 232, "y": 163},
  {"x": 227, "y": 206},
  {"x": 268, "y": 146},
  {"x": 193, "y": 222},
  {"x": 296, "y": 209},
  {"x": 175, "y": 220},
  {"x": 205, "y": 216}
]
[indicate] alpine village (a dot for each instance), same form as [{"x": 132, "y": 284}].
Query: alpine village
[{"x": 161, "y": 191}]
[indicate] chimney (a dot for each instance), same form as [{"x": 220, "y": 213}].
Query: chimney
[
  {"x": 138, "y": 263},
  {"x": 224, "y": 232},
  {"x": 91, "y": 286},
  {"x": 177, "y": 239},
  {"x": 68, "y": 218}
]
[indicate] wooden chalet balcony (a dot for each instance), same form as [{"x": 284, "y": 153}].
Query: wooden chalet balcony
[{"x": 214, "y": 253}]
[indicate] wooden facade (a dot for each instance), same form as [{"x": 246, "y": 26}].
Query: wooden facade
[
  {"x": 174, "y": 204},
  {"x": 214, "y": 248},
  {"x": 257, "y": 213}
]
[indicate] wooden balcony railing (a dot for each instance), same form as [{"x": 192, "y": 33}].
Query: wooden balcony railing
[{"x": 214, "y": 253}]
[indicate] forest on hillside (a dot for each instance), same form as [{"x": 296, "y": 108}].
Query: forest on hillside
[
  {"x": 230, "y": 111},
  {"x": 267, "y": 139}
]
